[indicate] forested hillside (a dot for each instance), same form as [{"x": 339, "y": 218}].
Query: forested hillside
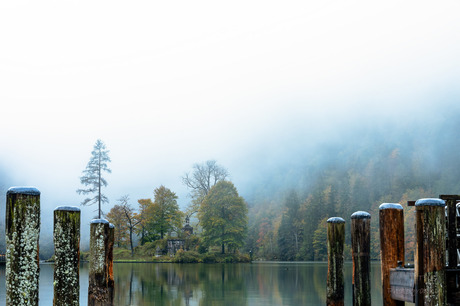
[{"x": 382, "y": 162}]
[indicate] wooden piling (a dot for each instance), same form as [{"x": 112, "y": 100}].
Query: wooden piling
[
  {"x": 22, "y": 235},
  {"x": 430, "y": 252},
  {"x": 391, "y": 228},
  {"x": 335, "y": 278},
  {"x": 111, "y": 282},
  {"x": 361, "y": 247},
  {"x": 67, "y": 256},
  {"x": 451, "y": 203},
  {"x": 98, "y": 289}
]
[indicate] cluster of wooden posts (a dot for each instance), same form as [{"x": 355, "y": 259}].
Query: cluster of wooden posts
[
  {"x": 22, "y": 262},
  {"x": 429, "y": 282}
]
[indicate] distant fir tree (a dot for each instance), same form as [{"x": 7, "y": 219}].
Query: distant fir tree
[
  {"x": 290, "y": 230},
  {"x": 92, "y": 176}
]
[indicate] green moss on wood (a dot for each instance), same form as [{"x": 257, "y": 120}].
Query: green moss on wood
[
  {"x": 22, "y": 236},
  {"x": 67, "y": 257}
]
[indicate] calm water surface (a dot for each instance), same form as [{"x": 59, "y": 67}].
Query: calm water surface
[{"x": 259, "y": 283}]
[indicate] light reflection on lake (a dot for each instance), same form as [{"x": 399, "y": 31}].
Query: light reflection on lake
[{"x": 260, "y": 283}]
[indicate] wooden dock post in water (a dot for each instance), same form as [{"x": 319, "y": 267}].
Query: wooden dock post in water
[
  {"x": 391, "y": 228},
  {"x": 99, "y": 293},
  {"x": 430, "y": 252},
  {"x": 361, "y": 247},
  {"x": 67, "y": 256},
  {"x": 22, "y": 236},
  {"x": 110, "y": 243},
  {"x": 451, "y": 203},
  {"x": 335, "y": 279}
]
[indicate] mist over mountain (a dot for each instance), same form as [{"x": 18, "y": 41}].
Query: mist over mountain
[{"x": 392, "y": 160}]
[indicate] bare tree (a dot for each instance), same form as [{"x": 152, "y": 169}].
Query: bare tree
[
  {"x": 130, "y": 218},
  {"x": 92, "y": 176},
  {"x": 201, "y": 180}
]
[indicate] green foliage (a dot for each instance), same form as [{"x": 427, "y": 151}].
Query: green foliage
[
  {"x": 209, "y": 258},
  {"x": 164, "y": 213},
  {"x": 223, "y": 215},
  {"x": 160, "y": 217},
  {"x": 202, "y": 249},
  {"x": 186, "y": 257}
]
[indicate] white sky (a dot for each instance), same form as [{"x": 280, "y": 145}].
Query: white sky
[{"x": 166, "y": 84}]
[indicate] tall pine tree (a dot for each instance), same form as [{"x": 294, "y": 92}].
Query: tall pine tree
[{"x": 92, "y": 176}]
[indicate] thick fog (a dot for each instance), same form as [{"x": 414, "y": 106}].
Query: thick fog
[{"x": 263, "y": 88}]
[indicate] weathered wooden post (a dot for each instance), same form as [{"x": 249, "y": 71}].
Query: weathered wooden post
[
  {"x": 391, "y": 228},
  {"x": 430, "y": 252},
  {"x": 67, "y": 256},
  {"x": 98, "y": 289},
  {"x": 335, "y": 279},
  {"x": 22, "y": 236},
  {"x": 360, "y": 248},
  {"x": 451, "y": 205},
  {"x": 110, "y": 243}
]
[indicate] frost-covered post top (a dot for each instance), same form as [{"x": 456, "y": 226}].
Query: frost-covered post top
[
  {"x": 430, "y": 202},
  {"x": 335, "y": 220},
  {"x": 97, "y": 221},
  {"x": 390, "y": 206},
  {"x": 361, "y": 215},
  {"x": 67, "y": 208},
  {"x": 111, "y": 225},
  {"x": 29, "y": 190}
]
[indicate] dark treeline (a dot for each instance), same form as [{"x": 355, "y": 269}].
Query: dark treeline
[{"x": 394, "y": 163}]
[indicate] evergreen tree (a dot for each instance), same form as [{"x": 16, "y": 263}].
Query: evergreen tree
[
  {"x": 223, "y": 215},
  {"x": 290, "y": 230},
  {"x": 92, "y": 176}
]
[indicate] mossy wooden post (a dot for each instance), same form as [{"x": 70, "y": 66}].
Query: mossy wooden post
[
  {"x": 98, "y": 289},
  {"x": 335, "y": 279},
  {"x": 391, "y": 228},
  {"x": 360, "y": 250},
  {"x": 451, "y": 205},
  {"x": 430, "y": 252},
  {"x": 22, "y": 236},
  {"x": 110, "y": 243},
  {"x": 67, "y": 256}
]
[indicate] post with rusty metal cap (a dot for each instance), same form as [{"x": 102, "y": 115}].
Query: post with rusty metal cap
[
  {"x": 98, "y": 288},
  {"x": 335, "y": 278},
  {"x": 391, "y": 228},
  {"x": 430, "y": 252},
  {"x": 22, "y": 236},
  {"x": 67, "y": 256},
  {"x": 360, "y": 249}
]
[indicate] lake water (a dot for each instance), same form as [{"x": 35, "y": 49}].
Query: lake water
[{"x": 259, "y": 283}]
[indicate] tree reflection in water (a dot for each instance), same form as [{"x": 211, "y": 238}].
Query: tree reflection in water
[{"x": 268, "y": 283}]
